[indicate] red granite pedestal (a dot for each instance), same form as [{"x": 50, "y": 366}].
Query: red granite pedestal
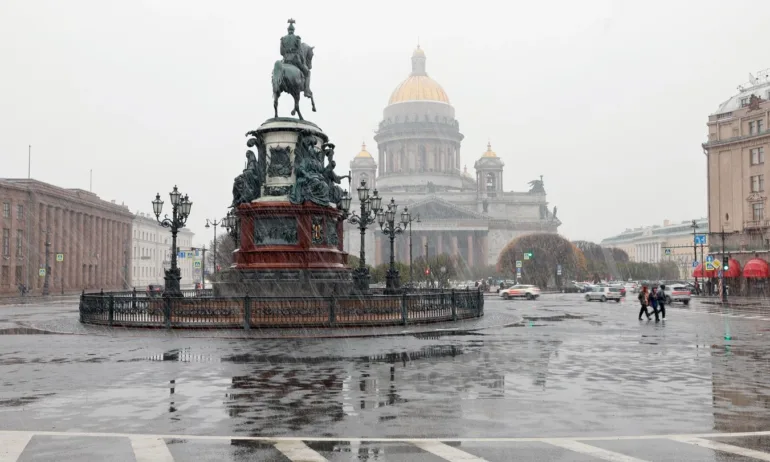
[{"x": 288, "y": 250}]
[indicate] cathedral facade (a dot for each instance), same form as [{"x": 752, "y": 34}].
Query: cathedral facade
[{"x": 418, "y": 164}]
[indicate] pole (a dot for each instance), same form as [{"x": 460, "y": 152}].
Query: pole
[{"x": 47, "y": 268}]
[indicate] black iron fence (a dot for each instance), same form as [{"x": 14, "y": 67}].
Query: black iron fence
[{"x": 201, "y": 309}]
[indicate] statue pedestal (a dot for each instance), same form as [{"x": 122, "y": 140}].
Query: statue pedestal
[{"x": 287, "y": 250}]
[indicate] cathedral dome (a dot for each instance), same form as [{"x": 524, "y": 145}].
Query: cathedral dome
[{"x": 418, "y": 86}]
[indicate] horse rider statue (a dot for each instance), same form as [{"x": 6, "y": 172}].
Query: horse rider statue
[{"x": 292, "y": 73}]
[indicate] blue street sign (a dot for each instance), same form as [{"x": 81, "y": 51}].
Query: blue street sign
[
  {"x": 700, "y": 239},
  {"x": 695, "y": 263},
  {"x": 709, "y": 259}
]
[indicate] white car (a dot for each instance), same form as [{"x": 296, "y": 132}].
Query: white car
[
  {"x": 604, "y": 293},
  {"x": 677, "y": 293},
  {"x": 522, "y": 291}
]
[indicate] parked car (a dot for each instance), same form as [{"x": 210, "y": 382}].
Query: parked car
[
  {"x": 677, "y": 293},
  {"x": 529, "y": 292},
  {"x": 154, "y": 290},
  {"x": 603, "y": 294}
]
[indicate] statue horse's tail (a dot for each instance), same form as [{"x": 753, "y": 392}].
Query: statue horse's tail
[{"x": 277, "y": 76}]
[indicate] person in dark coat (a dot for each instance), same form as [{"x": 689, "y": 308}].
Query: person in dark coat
[{"x": 643, "y": 301}]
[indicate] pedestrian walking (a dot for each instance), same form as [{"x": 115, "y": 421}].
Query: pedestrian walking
[
  {"x": 653, "y": 297},
  {"x": 662, "y": 300},
  {"x": 643, "y": 301}
]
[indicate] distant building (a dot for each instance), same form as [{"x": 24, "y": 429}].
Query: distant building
[
  {"x": 91, "y": 235},
  {"x": 151, "y": 253},
  {"x": 649, "y": 244},
  {"x": 466, "y": 215},
  {"x": 738, "y": 140}
]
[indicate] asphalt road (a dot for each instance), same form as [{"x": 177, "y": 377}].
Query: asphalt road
[{"x": 568, "y": 380}]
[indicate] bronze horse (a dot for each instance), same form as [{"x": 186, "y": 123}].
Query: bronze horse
[{"x": 287, "y": 78}]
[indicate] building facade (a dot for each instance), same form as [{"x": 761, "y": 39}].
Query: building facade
[
  {"x": 418, "y": 164},
  {"x": 738, "y": 139},
  {"x": 90, "y": 236},
  {"x": 669, "y": 242},
  {"x": 151, "y": 253}
]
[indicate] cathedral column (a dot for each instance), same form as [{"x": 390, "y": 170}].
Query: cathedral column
[
  {"x": 453, "y": 240},
  {"x": 470, "y": 250}
]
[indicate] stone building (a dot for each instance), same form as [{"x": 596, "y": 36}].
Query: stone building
[
  {"x": 419, "y": 165},
  {"x": 151, "y": 253},
  {"x": 92, "y": 236},
  {"x": 738, "y": 138},
  {"x": 648, "y": 244}
]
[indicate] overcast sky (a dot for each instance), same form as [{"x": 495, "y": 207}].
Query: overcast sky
[{"x": 608, "y": 100}]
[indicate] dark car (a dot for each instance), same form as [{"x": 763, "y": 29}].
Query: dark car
[{"x": 154, "y": 290}]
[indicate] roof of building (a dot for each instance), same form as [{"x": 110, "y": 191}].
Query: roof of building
[
  {"x": 758, "y": 86},
  {"x": 418, "y": 86},
  {"x": 490, "y": 152},
  {"x": 364, "y": 152}
]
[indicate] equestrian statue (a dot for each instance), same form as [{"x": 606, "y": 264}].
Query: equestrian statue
[{"x": 292, "y": 73}]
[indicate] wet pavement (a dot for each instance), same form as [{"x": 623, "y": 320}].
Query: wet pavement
[{"x": 565, "y": 380}]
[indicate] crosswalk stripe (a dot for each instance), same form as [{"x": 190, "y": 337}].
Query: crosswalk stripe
[
  {"x": 150, "y": 449},
  {"x": 723, "y": 447},
  {"x": 446, "y": 452},
  {"x": 592, "y": 451},
  {"x": 12, "y": 445},
  {"x": 297, "y": 451}
]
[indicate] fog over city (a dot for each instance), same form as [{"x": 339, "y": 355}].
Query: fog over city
[{"x": 608, "y": 100}]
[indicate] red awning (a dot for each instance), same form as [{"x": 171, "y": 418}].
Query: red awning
[
  {"x": 698, "y": 272},
  {"x": 756, "y": 268},
  {"x": 734, "y": 270}
]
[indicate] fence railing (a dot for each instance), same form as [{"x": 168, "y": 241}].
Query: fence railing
[{"x": 137, "y": 309}]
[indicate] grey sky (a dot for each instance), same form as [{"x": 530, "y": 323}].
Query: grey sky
[{"x": 607, "y": 100}]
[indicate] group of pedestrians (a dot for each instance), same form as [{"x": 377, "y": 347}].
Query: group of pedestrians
[{"x": 654, "y": 298}]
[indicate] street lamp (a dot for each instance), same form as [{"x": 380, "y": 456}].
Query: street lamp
[
  {"x": 180, "y": 210},
  {"x": 389, "y": 226},
  {"x": 409, "y": 219},
  {"x": 208, "y": 225},
  {"x": 370, "y": 207}
]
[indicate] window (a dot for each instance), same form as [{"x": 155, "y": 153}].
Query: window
[
  {"x": 19, "y": 212},
  {"x": 758, "y": 211},
  {"x": 757, "y": 156},
  {"x": 752, "y": 126},
  {"x": 6, "y": 242},
  {"x": 6, "y": 210},
  {"x": 757, "y": 183},
  {"x": 19, "y": 243}
]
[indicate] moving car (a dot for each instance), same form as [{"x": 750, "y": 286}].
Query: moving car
[
  {"x": 521, "y": 291},
  {"x": 677, "y": 293},
  {"x": 603, "y": 294}
]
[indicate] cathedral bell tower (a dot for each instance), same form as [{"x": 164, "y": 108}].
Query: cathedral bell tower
[{"x": 489, "y": 179}]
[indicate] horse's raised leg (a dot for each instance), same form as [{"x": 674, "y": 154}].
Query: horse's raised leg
[
  {"x": 296, "y": 106},
  {"x": 275, "y": 103}
]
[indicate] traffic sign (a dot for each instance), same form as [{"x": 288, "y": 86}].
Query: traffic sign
[
  {"x": 59, "y": 257},
  {"x": 716, "y": 264},
  {"x": 709, "y": 259},
  {"x": 41, "y": 271},
  {"x": 700, "y": 239},
  {"x": 518, "y": 264},
  {"x": 197, "y": 264},
  {"x": 695, "y": 263},
  {"x": 667, "y": 251},
  {"x": 709, "y": 266}
]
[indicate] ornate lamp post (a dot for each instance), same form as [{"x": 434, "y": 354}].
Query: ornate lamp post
[
  {"x": 387, "y": 221},
  {"x": 208, "y": 225},
  {"x": 370, "y": 207},
  {"x": 409, "y": 220},
  {"x": 180, "y": 210}
]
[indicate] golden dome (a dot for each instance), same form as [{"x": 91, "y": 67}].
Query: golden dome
[
  {"x": 418, "y": 86},
  {"x": 490, "y": 152},
  {"x": 364, "y": 152}
]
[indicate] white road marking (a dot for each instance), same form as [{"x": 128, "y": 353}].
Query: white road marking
[
  {"x": 723, "y": 447},
  {"x": 150, "y": 449},
  {"x": 446, "y": 452},
  {"x": 297, "y": 451},
  {"x": 12, "y": 444},
  {"x": 592, "y": 451}
]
